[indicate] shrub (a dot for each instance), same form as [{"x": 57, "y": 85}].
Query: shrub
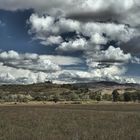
[
  {"x": 56, "y": 98},
  {"x": 73, "y": 97},
  {"x": 107, "y": 97},
  {"x": 76, "y": 102},
  {"x": 127, "y": 96},
  {"x": 40, "y": 98},
  {"x": 84, "y": 97},
  {"x": 132, "y": 96},
  {"x": 70, "y": 96},
  {"x": 17, "y": 98},
  {"x": 95, "y": 96}
]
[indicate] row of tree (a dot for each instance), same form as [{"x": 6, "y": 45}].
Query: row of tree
[
  {"x": 74, "y": 96},
  {"x": 127, "y": 96}
]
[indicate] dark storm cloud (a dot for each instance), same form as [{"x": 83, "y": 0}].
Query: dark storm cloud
[
  {"x": 132, "y": 46},
  {"x": 100, "y": 16}
]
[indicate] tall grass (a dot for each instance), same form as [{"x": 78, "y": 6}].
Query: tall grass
[{"x": 70, "y": 122}]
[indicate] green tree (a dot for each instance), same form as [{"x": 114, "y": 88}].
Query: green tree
[
  {"x": 138, "y": 95},
  {"x": 127, "y": 96},
  {"x": 115, "y": 95}
]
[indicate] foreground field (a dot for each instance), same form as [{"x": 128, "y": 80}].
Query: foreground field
[{"x": 70, "y": 122}]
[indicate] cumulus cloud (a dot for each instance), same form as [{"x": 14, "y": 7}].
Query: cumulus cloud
[
  {"x": 111, "y": 56},
  {"x": 51, "y": 40},
  {"x": 28, "y": 68},
  {"x": 76, "y": 45},
  {"x": 90, "y": 38},
  {"x": 107, "y": 74},
  {"x": 98, "y": 39},
  {"x": 35, "y": 62},
  {"x": 63, "y": 60},
  {"x": 94, "y": 25},
  {"x": 10, "y": 75},
  {"x": 44, "y": 26},
  {"x": 126, "y": 11}
]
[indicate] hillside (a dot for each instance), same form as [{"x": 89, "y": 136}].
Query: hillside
[{"x": 69, "y": 92}]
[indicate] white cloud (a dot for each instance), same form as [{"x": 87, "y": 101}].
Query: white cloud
[
  {"x": 62, "y": 60},
  {"x": 46, "y": 26},
  {"x": 115, "y": 54},
  {"x": 112, "y": 73},
  {"x": 52, "y": 40},
  {"x": 98, "y": 39},
  {"x": 76, "y": 45},
  {"x": 94, "y": 23},
  {"x": 113, "y": 31},
  {"x": 110, "y": 60},
  {"x": 35, "y": 62},
  {"x": 11, "y": 75},
  {"x": 110, "y": 56},
  {"x": 49, "y": 29},
  {"x": 9, "y": 55}
]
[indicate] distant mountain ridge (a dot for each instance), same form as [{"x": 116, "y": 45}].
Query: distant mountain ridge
[{"x": 107, "y": 84}]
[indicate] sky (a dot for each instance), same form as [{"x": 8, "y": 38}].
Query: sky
[{"x": 69, "y": 41}]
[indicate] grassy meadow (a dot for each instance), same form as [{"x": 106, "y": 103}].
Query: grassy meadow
[{"x": 70, "y": 122}]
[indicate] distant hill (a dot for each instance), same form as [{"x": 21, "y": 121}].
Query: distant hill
[
  {"x": 67, "y": 92},
  {"x": 107, "y": 84}
]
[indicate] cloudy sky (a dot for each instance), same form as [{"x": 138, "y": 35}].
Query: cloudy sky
[{"x": 69, "y": 41}]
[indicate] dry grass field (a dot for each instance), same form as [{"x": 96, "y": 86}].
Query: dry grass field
[{"x": 70, "y": 122}]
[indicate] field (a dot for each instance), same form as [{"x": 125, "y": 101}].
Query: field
[{"x": 70, "y": 122}]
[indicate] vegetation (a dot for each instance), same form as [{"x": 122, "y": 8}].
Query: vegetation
[
  {"x": 54, "y": 92},
  {"x": 132, "y": 96},
  {"x": 16, "y": 98},
  {"x": 115, "y": 95},
  {"x": 70, "y": 122},
  {"x": 126, "y": 96},
  {"x": 107, "y": 97}
]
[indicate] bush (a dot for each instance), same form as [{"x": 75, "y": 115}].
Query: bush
[
  {"x": 132, "y": 96},
  {"x": 96, "y": 96},
  {"x": 73, "y": 97},
  {"x": 56, "y": 98},
  {"x": 17, "y": 98},
  {"x": 107, "y": 97},
  {"x": 70, "y": 96},
  {"x": 76, "y": 102},
  {"x": 40, "y": 98},
  {"x": 84, "y": 97}
]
